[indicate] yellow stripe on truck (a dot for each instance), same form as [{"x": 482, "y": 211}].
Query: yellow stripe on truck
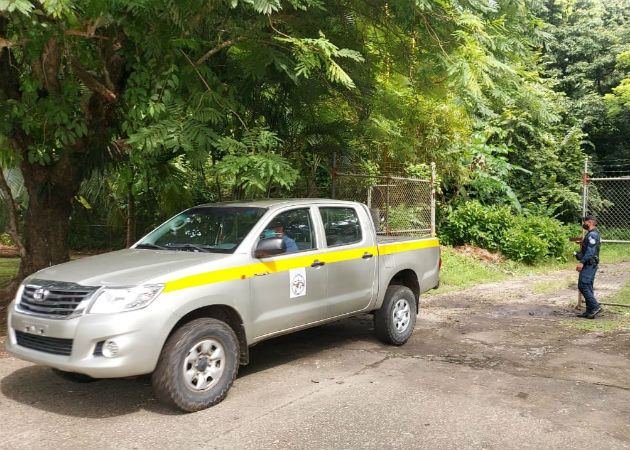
[
  {"x": 282, "y": 265},
  {"x": 386, "y": 249}
]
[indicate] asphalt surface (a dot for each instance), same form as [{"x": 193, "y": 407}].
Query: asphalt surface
[{"x": 481, "y": 371}]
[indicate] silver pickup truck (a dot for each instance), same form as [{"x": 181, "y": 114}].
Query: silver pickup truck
[{"x": 188, "y": 300}]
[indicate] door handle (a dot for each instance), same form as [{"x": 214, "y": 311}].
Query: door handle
[
  {"x": 367, "y": 255},
  {"x": 317, "y": 263}
]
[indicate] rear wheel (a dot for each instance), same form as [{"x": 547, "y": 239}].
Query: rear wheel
[
  {"x": 197, "y": 366},
  {"x": 395, "y": 320}
]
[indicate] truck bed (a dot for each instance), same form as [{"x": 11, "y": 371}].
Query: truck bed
[{"x": 395, "y": 239}]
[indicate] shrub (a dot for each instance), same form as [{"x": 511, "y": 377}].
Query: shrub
[
  {"x": 5, "y": 239},
  {"x": 552, "y": 232},
  {"x": 527, "y": 239},
  {"x": 474, "y": 224},
  {"x": 522, "y": 246}
]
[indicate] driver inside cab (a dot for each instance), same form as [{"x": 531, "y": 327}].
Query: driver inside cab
[{"x": 276, "y": 229}]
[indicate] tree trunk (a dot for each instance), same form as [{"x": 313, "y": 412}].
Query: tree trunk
[
  {"x": 52, "y": 187},
  {"x": 46, "y": 222},
  {"x": 131, "y": 216}
]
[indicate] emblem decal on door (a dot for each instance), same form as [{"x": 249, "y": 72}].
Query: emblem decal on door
[{"x": 297, "y": 282}]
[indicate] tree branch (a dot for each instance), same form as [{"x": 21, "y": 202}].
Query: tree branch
[
  {"x": 91, "y": 82},
  {"x": 86, "y": 34},
  {"x": 203, "y": 80},
  {"x": 220, "y": 47},
  {"x": 8, "y": 44},
  {"x": 12, "y": 226}
]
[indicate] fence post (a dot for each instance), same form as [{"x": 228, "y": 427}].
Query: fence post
[
  {"x": 387, "y": 183},
  {"x": 580, "y": 301},
  {"x": 333, "y": 175},
  {"x": 585, "y": 190},
  {"x": 433, "y": 199}
]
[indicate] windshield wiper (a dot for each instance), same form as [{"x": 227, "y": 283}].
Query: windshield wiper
[
  {"x": 146, "y": 245},
  {"x": 189, "y": 247}
]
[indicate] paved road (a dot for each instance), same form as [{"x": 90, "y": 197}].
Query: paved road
[{"x": 479, "y": 372}]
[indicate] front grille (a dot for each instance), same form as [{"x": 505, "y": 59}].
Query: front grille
[
  {"x": 53, "y": 299},
  {"x": 45, "y": 344}
]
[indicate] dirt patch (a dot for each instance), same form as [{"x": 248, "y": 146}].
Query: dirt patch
[
  {"x": 507, "y": 326},
  {"x": 479, "y": 253},
  {"x": 8, "y": 251}
]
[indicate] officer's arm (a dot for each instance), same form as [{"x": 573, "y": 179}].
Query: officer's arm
[{"x": 590, "y": 249}]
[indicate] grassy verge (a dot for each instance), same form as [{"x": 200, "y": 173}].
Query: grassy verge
[
  {"x": 462, "y": 271},
  {"x": 8, "y": 269},
  {"x": 544, "y": 287}
]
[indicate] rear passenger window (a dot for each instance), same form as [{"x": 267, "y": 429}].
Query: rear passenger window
[{"x": 341, "y": 225}]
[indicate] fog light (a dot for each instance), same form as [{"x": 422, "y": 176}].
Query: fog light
[{"x": 110, "y": 349}]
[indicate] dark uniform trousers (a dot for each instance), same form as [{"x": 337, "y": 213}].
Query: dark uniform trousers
[{"x": 585, "y": 285}]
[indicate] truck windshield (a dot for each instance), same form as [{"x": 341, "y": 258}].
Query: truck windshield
[{"x": 215, "y": 229}]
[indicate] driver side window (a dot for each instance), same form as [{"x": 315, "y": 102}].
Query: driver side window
[{"x": 294, "y": 227}]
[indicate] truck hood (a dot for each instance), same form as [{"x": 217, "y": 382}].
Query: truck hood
[{"x": 131, "y": 267}]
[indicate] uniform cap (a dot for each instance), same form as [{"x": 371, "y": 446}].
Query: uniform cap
[{"x": 588, "y": 217}]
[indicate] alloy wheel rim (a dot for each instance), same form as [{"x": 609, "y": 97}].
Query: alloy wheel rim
[
  {"x": 401, "y": 315},
  {"x": 204, "y": 365}
]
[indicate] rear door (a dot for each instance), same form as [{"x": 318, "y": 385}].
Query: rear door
[{"x": 351, "y": 258}]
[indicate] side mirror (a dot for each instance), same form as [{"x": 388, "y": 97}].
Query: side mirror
[{"x": 270, "y": 247}]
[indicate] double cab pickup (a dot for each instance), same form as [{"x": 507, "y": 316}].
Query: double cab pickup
[{"x": 187, "y": 301}]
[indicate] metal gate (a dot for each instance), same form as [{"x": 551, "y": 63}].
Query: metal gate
[{"x": 607, "y": 197}]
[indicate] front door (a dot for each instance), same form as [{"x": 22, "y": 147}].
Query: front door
[{"x": 290, "y": 289}]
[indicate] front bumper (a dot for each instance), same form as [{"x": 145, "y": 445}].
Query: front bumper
[{"x": 139, "y": 335}]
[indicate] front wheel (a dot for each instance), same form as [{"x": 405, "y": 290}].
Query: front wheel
[
  {"x": 197, "y": 365},
  {"x": 395, "y": 320}
]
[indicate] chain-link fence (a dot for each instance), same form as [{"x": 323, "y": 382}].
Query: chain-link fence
[
  {"x": 608, "y": 199},
  {"x": 399, "y": 205}
]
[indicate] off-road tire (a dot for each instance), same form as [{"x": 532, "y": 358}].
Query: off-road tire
[
  {"x": 395, "y": 320},
  {"x": 74, "y": 377},
  {"x": 169, "y": 381}
]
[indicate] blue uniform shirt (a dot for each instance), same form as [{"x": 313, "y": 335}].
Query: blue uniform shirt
[
  {"x": 290, "y": 243},
  {"x": 591, "y": 241}
]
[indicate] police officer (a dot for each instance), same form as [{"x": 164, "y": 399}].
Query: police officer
[{"x": 588, "y": 257}]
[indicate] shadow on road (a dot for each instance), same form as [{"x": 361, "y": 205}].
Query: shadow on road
[
  {"x": 39, "y": 387},
  {"x": 306, "y": 343}
]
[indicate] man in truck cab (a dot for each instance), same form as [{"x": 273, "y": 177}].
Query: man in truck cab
[{"x": 276, "y": 229}]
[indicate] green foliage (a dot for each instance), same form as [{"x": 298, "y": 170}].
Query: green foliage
[
  {"x": 253, "y": 175},
  {"x": 585, "y": 58},
  {"x": 528, "y": 239},
  {"x": 251, "y": 98},
  {"x": 5, "y": 239},
  {"x": 403, "y": 217},
  {"x": 316, "y": 54},
  {"x": 491, "y": 172},
  {"x": 251, "y": 166},
  {"x": 477, "y": 225},
  {"x": 519, "y": 245}
]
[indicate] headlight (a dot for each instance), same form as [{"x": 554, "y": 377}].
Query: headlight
[
  {"x": 18, "y": 295},
  {"x": 118, "y": 299}
]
